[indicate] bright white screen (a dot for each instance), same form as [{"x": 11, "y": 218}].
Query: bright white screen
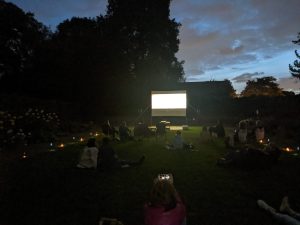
[{"x": 168, "y": 103}]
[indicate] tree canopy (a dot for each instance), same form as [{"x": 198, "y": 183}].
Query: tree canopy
[
  {"x": 264, "y": 86},
  {"x": 145, "y": 40},
  {"x": 295, "y": 68},
  {"x": 21, "y": 35},
  {"x": 117, "y": 57}
]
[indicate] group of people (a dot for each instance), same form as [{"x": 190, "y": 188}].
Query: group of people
[
  {"x": 123, "y": 132},
  {"x": 103, "y": 158},
  {"x": 249, "y": 130},
  {"x": 165, "y": 206}
]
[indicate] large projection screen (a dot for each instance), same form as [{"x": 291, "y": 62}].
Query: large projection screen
[{"x": 168, "y": 103}]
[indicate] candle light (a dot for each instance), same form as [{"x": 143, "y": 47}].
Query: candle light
[
  {"x": 81, "y": 139},
  {"x": 61, "y": 145}
]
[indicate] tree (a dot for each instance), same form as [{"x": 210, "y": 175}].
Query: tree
[
  {"x": 21, "y": 36},
  {"x": 145, "y": 41},
  {"x": 265, "y": 86},
  {"x": 295, "y": 69}
]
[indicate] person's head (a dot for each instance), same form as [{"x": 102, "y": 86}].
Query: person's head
[
  {"x": 259, "y": 124},
  {"x": 91, "y": 142},
  {"x": 163, "y": 193},
  {"x": 242, "y": 124}
]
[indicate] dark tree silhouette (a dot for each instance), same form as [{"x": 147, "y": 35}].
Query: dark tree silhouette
[
  {"x": 21, "y": 35},
  {"x": 145, "y": 41},
  {"x": 112, "y": 61},
  {"x": 295, "y": 69},
  {"x": 265, "y": 86}
]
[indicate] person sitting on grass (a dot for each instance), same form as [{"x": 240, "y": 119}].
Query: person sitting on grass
[
  {"x": 178, "y": 142},
  {"x": 141, "y": 130},
  {"x": 124, "y": 132},
  {"x": 242, "y": 132},
  {"x": 218, "y": 130},
  {"x": 109, "y": 130},
  {"x": 165, "y": 207},
  {"x": 108, "y": 159},
  {"x": 161, "y": 129},
  {"x": 88, "y": 158},
  {"x": 251, "y": 157},
  {"x": 286, "y": 215},
  {"x": 259, "y": 131}
]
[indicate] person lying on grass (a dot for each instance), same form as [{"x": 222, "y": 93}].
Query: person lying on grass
[
  {"x": 286, "y": 215},
  {"x": 251, "y": 157},
  {"x": 89, "y": 155},
  {"x": 108, "y": 159}
]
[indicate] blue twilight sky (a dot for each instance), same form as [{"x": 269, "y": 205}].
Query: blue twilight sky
[{"x": 220, "y": 39}]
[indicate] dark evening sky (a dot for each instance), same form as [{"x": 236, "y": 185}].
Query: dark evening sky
[{"x": 220, "y": 39}]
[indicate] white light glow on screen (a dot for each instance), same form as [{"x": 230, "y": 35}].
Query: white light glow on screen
[{"x": 169, "y": 101}]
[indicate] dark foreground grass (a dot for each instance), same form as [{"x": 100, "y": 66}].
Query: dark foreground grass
[{"x": 48, "y": 190}]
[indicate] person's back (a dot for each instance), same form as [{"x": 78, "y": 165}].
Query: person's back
[
  {"x": 259, "y": 133},
  {"x": 220, "y": 130},
  {"x": 89, "y": 155},
  {"x": 124, "y": 132},
  {"x": 242, "y": 133},
  {"x": 165, "y": 206},
  {"x": 160, "y": 128},
  {"x": 178, "y": 141},
  {"x": 106, "y": 156},
  {"x": 157, "y": 215}
]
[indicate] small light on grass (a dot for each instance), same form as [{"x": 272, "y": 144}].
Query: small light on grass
[
  {"x": 61, "y": 145},
  {"x": 288, "y": 149},
  {"x": 73, "y": 138},
  {"x": 81, "y": 139}
]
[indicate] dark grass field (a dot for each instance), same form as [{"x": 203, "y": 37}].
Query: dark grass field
[{"x": 47, "y": 189}]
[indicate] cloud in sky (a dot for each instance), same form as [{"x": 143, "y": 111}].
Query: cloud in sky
[
  {"x": 220, "y": 39},
  {"x": 289, "y": 84},
  {"x": 246, "y": 76},
  {"x": 236, "y": 34}
]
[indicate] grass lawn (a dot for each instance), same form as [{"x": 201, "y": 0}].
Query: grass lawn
[{"x": 47, "y": 190}]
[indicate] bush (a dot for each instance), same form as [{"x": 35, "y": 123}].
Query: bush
[{"x": 34, "y": 125}]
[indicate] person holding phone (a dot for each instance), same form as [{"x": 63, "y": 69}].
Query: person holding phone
[{"x": 165, "y": 207}]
